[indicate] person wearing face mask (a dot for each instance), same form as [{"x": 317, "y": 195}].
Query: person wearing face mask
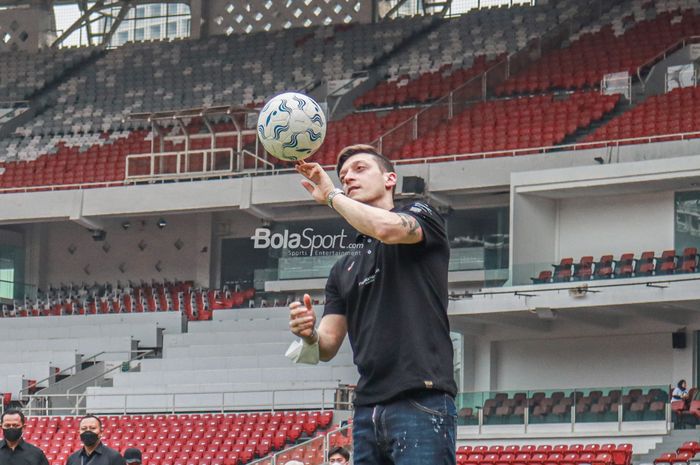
[
  {"x": 94, "y": 452},
  {"x": 14, "y": 449}
]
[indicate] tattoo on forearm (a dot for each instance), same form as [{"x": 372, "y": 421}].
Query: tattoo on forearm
[{"x": 409, "y": 223}]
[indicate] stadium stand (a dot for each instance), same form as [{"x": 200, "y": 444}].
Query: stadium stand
[
  {"x": 81, "y": 137},
  {"x": 594, "y": 453},
  {"x": 669, "y": 262},
  {"x": 54, "y": 344},
  {"x": 232, "y": 360},
  {"x": 231, "y": 439},
  {"x": 225, "y": 355},
  {"x": 625, "y": 40},
  {"x": 597, "y": 405},
  {"x": 504, "y": 125},
  {"x": 460, "y": 49},
  {"x": 358, "y": 126},
  {"x": 23, "y": 74},
  {"x": 194, "y": 303},
  {"x": 672, "y": 113},
  {"x": 686, "y": 453}
]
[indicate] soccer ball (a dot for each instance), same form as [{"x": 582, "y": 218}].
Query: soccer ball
[{"x": 291, "y": 126}]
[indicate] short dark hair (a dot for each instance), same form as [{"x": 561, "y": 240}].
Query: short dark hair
[
  {"x": 99, "y": 422},
  {"x": 13, "y": 411},
  {"x": 384, "y": 163},
  {"x": 339, "y": 450}
]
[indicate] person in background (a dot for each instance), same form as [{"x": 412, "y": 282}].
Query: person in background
[
  {"x": 680, "y": 392},
  {"x": 93, "y": 452},
  {"x": 338, "y": 456},
  {"x": 133, "y": 456},
  {"x": 14, "y": 449}
]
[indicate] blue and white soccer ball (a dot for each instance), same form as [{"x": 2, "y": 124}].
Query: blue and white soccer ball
[{"x": 291, "y": 126}]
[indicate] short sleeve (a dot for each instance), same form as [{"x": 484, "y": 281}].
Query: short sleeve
[
  {"x": 431, "y": 222},
  {"x": 335, "y": 304}
]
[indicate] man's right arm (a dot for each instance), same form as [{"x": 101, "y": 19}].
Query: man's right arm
[{"x": 330, "y": 333}]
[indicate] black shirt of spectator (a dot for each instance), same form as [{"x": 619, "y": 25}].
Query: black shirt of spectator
[
  {"x": 23, "y": 454},
  {"x": 102, "y": 455}
]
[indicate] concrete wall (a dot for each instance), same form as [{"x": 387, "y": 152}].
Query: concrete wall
[
  {"x": 143, "y": 251},
  {"x": 236, "y": 16},
  {"x": 25, "y": 28},
  {"x": 622, "y": 223}
]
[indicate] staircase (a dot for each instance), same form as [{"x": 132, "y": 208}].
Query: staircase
[{"x": 670, "y": 443}]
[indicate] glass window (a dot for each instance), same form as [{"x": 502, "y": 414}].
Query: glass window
[
  {"x": 687, "y": 224},
  {"x": 122, "y": 37},
  {"x": 7, "y": 278},
  {"x": 172, "y": 28},
  {"x": 154, "y": 10},
  {"x": 142, "y": 22},
  {"x": 176, "y": 9}
]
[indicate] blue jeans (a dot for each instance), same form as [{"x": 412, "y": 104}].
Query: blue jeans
[{"x": 415, "y": 429}]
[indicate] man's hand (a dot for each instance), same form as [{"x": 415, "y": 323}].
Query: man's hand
[
  {"x": 302, "y": 320},
  {"x": 318, "y": 183}
]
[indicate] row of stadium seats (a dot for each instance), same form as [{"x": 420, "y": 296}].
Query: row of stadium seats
[
  {"x": 511, "y": 124},
  {"x": 672, "y": 113},
  {"x": 426, "y": 87},
  {"x": 462, "y": 43},
  {"x": 626, "y": 267},
  {"x": 23, "y": 74},
  {"x": 137, "y": 78},
  {"x": 594, "y": 54},
  {"x": 683, "y": 455},
  {"x": 195, "y": 303},
  {"x": 206, "y": 439},
  {"x": 561, "y": 454},
  {"x": 594, "y": 407},
  {"x": 99, "y": 157}
]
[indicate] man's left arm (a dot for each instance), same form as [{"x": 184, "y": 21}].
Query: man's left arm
[
  {"x": 385, "y": 226},
  {"x": 381, "y": 224}
]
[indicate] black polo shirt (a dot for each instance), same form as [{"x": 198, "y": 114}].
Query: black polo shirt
[
  {"x": 394, "y": 297},
  {"x": 102, "y": 455},
  {"x": 23, "y": 454}
]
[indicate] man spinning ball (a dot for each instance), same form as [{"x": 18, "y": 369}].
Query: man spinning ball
[{"x": 391, "y": 298}]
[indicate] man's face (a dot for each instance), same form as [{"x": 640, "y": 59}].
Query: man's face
[
  {"x": 363, "y": 179},
  {"x": 90, "y": 424},
  {"x": 337, "y": 459},
  {"x": 12, "y": 421}
]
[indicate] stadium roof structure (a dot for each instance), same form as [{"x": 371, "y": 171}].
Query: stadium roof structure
[{"x": 100, "y": 19}]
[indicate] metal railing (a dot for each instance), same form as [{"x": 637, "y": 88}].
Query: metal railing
[
  {"x": 42, "y": 403},
  {"x": 619, "y": 406},
  {"x": 271, "y": 169},
  {"x": 189, "y": 163},
  {"x": 182, "y": 402},
  {"x": 553, "y": 148},
  {"x": 71, "y": 370},
  {"x": 474, "y": 90},
  {"x": 651, "y": 63},
  {"x": 307, "y": 451}
]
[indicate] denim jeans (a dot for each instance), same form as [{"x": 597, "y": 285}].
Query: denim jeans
[{"x": 415, "y": 429}]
